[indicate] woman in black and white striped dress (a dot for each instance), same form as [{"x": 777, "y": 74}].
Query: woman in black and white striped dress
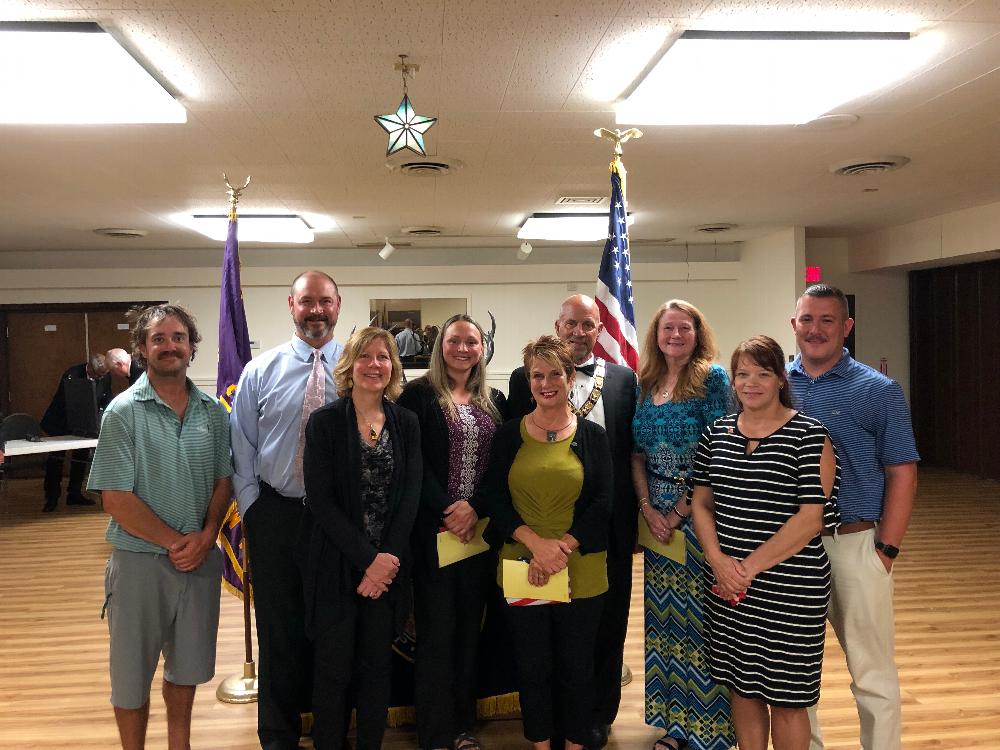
[{"x": 766, "y": 484}]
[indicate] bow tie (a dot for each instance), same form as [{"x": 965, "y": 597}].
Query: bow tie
[{"x": 587, "y": 370}]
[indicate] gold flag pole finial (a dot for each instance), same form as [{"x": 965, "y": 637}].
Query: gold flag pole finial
[
  {"x": 618, "y": 137},
  {"x": 234, "y": 193}
]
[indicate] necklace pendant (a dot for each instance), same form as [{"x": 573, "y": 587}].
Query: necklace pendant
[
  {"x": 551, "y": 435},
  {"x": 372, "y": 435}
]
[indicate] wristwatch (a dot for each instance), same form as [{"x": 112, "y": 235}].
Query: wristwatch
[{"x": 886, "y": 549}]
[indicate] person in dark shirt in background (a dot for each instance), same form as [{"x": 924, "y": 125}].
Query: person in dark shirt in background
[{"x": 54, "y": 422}]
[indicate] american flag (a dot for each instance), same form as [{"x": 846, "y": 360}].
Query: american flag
[{"x": 618, "y": 342}]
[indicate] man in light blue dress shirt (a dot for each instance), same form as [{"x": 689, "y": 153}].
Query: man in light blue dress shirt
[{"x": 265, "y": 421}]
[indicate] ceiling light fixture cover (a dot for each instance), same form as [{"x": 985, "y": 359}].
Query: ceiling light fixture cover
[
  {"x": 567, "y": 227},
  {"x": 405, "y": 127},
  {"x": 273, "y": 228},
  {"x": 74, "y": 73},
  {"x": 766, "y": 77}
]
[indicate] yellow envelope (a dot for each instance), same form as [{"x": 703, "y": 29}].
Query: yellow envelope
[
  {"x": 516, "y": 586},
  {"x": 675, "y": 549},
  {"x": 452, "y": 550}
]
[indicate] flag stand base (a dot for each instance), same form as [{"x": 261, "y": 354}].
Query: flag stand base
[
  {"x": 626, "y": 675},
  {"x": 240, "y": 688}
]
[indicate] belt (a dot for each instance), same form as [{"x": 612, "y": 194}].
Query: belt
[
  {"x": 266, "y": 489},
  {"x": 851, "y": 528}
]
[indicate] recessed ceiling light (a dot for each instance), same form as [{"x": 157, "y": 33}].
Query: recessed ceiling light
[
  {"x": 69, "y": 73},
  {"x": 253, "y": 227},
  {"x": 566, "y": 227},
  {"x": 766, "y": 78}
]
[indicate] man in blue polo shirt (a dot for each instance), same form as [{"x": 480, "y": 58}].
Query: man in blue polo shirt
[
  {"x": 869, "y": 423},
  {"x": 163, "y": 468}
]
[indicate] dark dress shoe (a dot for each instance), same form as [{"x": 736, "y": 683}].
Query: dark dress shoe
[
  {"x": 598, "y": 737},
  {"x": 79, "y": 500},
  {"x": 48, "y": 507}
]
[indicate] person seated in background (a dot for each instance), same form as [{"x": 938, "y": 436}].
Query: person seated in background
[
  {"x": 54, "y": 422},
  {"x": 548, "y": 491},
  {"x": 120, "y": 363}
]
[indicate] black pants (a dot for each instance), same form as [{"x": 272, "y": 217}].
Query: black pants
[
  {"x": 448, "y": 606},
  {"x": 554, "y": 644},
  {"x": 353, "y": 646},
  {"x": 285, "y": 654},
  {"x": 79, "y": 461},
  {"x": 610, "y": 642}
]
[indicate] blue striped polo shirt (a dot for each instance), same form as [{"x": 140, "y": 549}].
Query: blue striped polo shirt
[
  {"x": 869, "y": 423},
  {"x": 172, "y": 466}
]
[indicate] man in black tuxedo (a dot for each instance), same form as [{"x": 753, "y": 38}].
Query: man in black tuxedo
[
  {"x": 54, "y": 423},
  {"x": 605, "y": 394}
]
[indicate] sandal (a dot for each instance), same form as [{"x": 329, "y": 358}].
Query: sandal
[
  {"x": 669, "y": 742},
  {"x": 467, "y": 741}
]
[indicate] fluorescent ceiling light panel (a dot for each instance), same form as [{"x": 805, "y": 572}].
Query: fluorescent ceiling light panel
[
  {"x": 68, "y": 73},
  {"x": 566, "y": 227},
  {"x": 274, "y": 228},
  {"x": 765, "y": 78}
]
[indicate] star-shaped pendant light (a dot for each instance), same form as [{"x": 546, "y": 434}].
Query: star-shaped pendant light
[{"x": 405, "y": 127}]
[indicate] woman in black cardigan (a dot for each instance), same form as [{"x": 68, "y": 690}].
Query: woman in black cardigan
[
  {"x": 548, "y": 489},
  {"x": 362, "y": 470},
  {"x": 458, "y": 414}
]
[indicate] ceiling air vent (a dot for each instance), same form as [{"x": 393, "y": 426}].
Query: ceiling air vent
[
  {"x": 424, "y": 168},
  {"x": 121, "y": 233},
  {"x": 436, "y": 167},
  {"x": 580, "y": 200},
  {"x": 714, "y": 228},
  {"x": 869, "y": 166},
  {"x": 425, "y": 231}
]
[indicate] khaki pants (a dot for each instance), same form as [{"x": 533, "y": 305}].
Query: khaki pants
[{"x": 862, "y": 617}]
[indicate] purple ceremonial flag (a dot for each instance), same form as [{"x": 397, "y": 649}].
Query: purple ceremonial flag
[
  {"x": 234, "y": 339},
  {"x": 234, "y": 353}
]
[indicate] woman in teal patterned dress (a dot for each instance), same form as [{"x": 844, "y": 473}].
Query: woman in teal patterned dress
[{"x": 680, "y": 392}]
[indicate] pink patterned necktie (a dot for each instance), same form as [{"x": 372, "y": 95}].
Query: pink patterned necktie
[{"x": 314, "y": 397}]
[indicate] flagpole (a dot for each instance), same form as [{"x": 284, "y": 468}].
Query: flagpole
[
  {"x": 618, "y": 137},
  {"x": 241, "y": 688}
]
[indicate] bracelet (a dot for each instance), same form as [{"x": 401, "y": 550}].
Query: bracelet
[
  {"x": 643, "y": 501},
  {"x": 679, "y": 515}
]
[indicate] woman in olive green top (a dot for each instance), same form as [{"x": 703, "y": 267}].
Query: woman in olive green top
[{"x": 549, "y": 488}]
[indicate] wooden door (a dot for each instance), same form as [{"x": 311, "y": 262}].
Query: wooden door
[
  {"x": 40, "y": 347},
  {"x": 108, "y": 329}
]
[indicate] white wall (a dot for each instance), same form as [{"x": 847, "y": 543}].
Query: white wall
[
  {"x": 773, "y": 269},
  {"x": 881, "y": 306},
  {"x": 957, "y": 237},
  {"x": 525, "y": 300}
]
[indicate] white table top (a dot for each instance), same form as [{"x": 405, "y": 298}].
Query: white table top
[{"x": 48, "y": 445}]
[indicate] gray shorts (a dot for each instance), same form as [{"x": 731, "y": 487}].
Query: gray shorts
[{"x": 152, "y": 608}]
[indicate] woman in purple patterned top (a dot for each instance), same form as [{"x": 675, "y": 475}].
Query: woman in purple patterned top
[{"x": 458, "y": 414}]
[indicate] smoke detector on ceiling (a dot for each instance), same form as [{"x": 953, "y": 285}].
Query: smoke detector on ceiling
[
  {"x": 424, "y": 231},
  {"x": 717, "y": 227},
  {"x": 873, "y": 165},
  {"x": 121, "y": 233}
]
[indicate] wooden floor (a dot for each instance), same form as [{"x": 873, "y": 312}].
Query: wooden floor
[{"x": 53, "y": 646}]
